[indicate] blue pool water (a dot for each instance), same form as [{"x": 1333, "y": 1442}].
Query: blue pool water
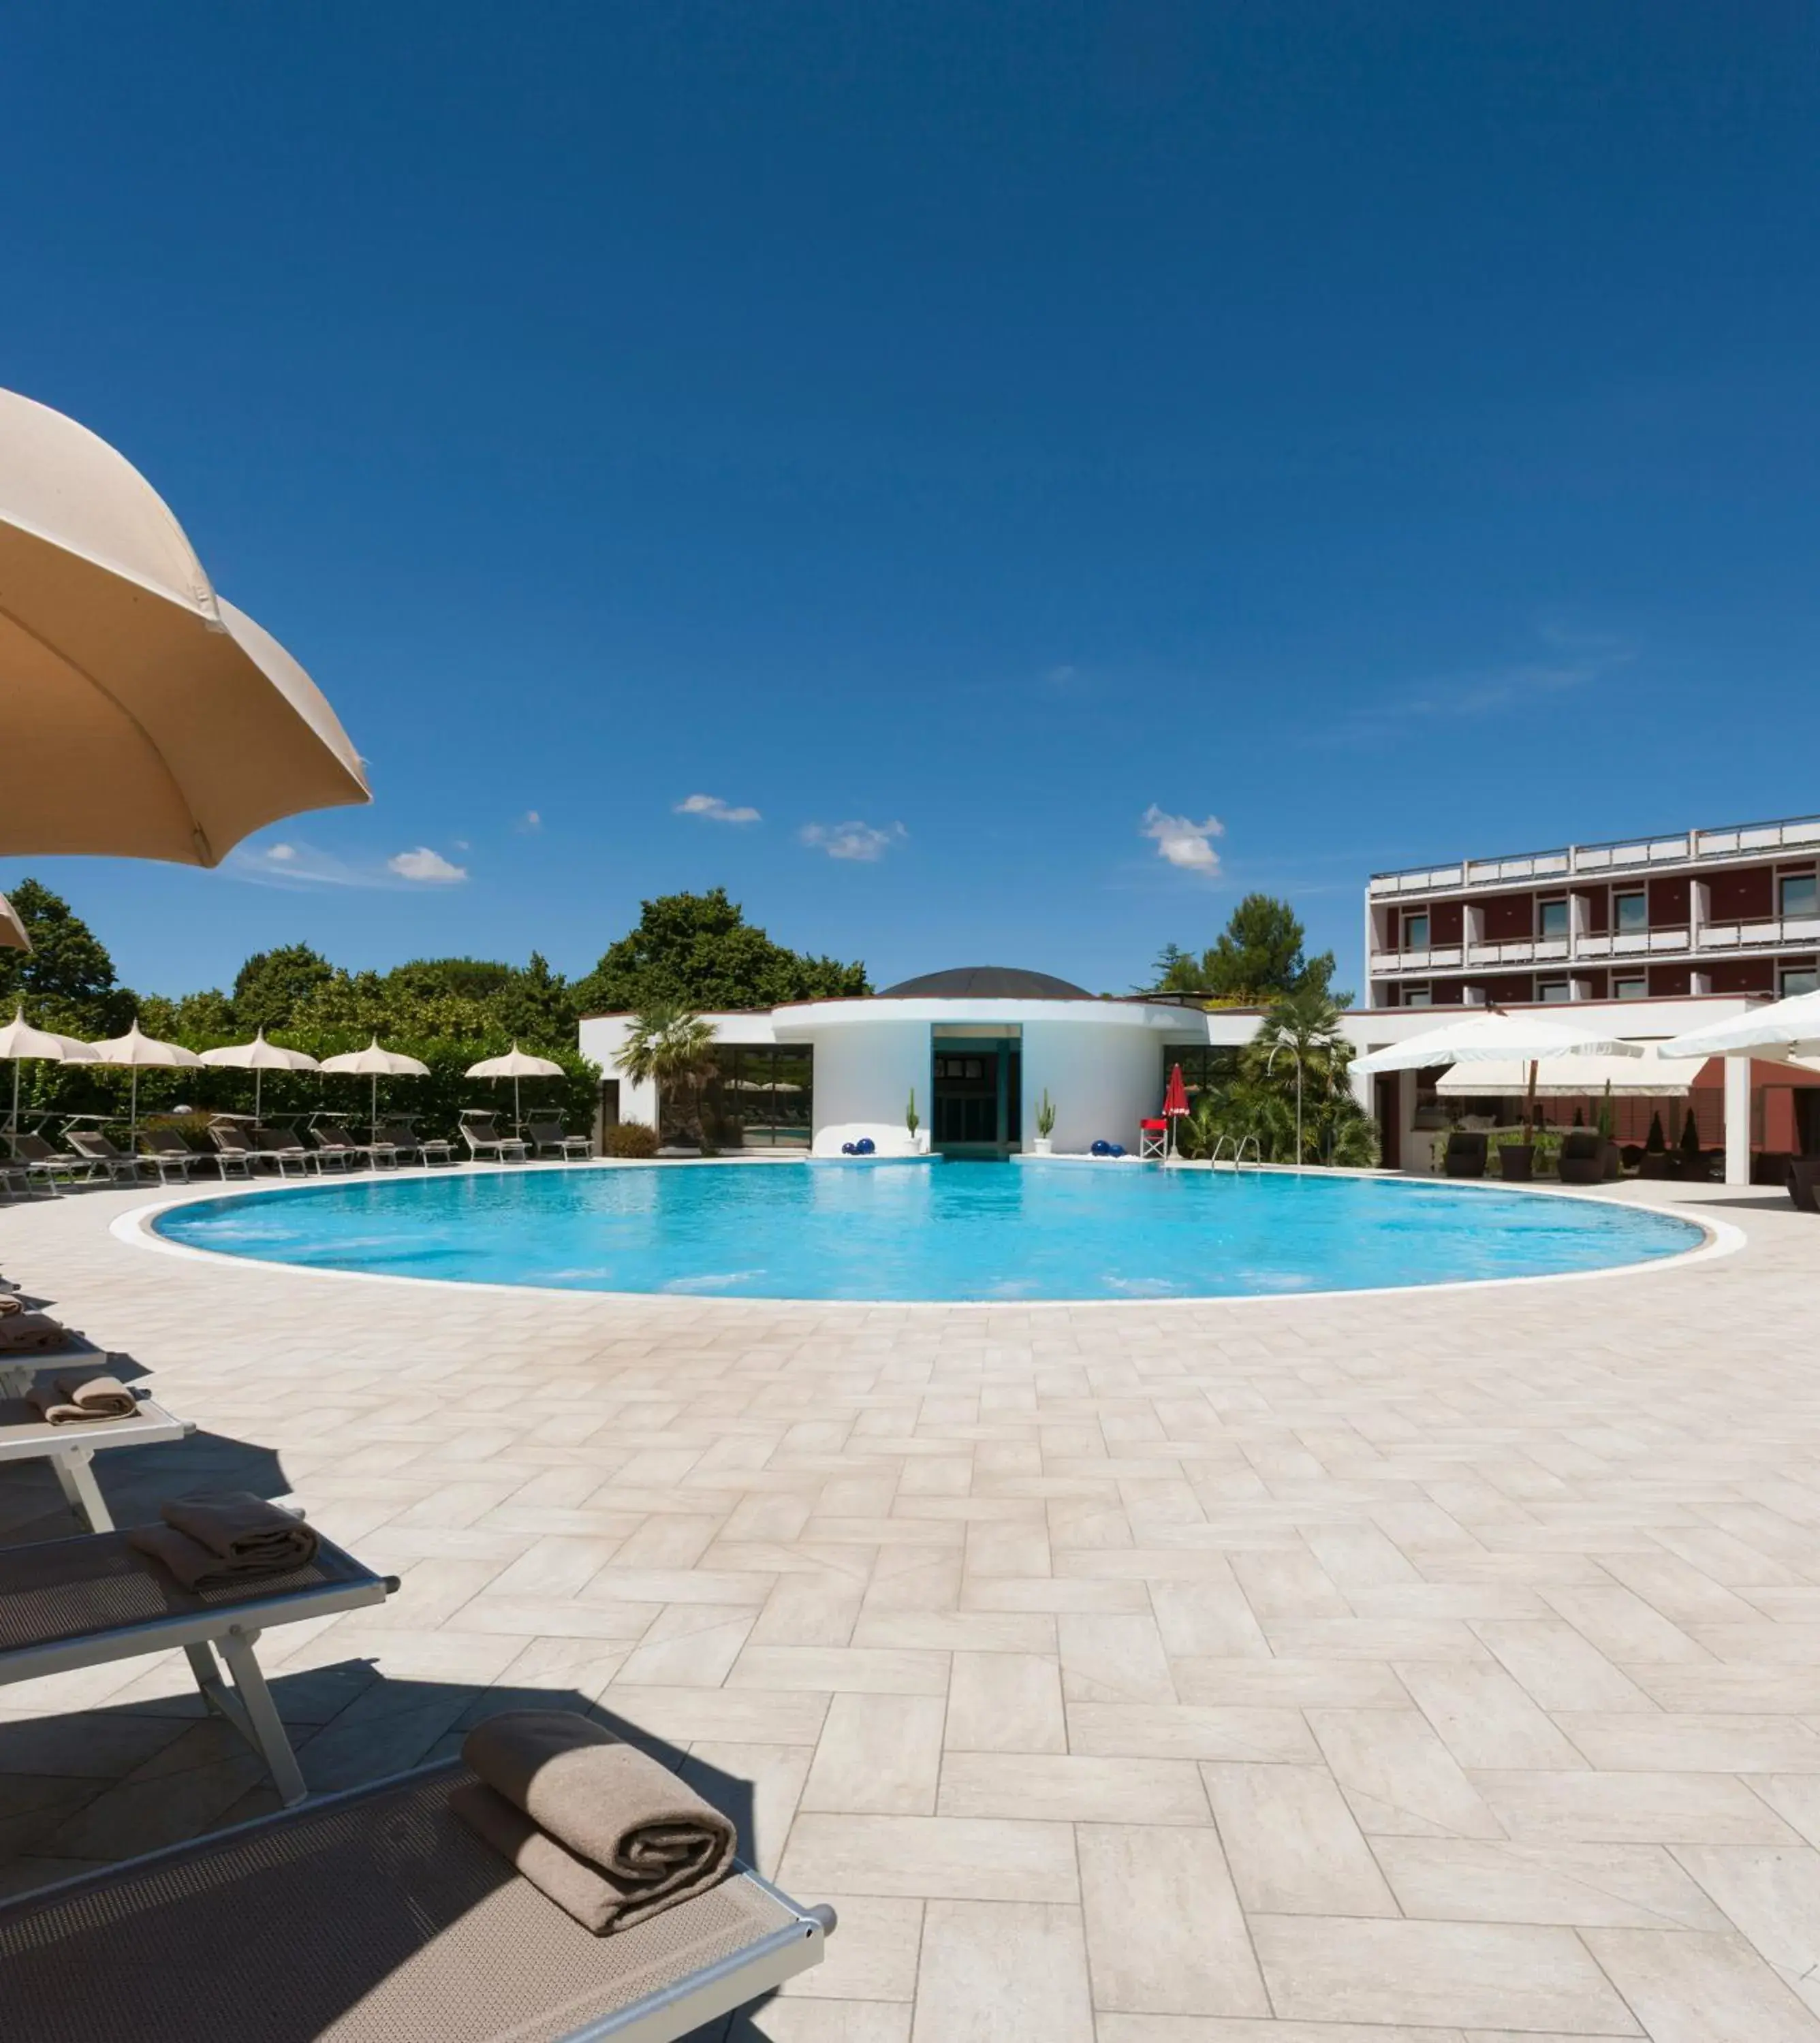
[{"x": 926, "y": 1231}]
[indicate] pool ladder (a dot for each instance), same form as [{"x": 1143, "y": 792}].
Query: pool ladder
[{"x": 1239, "y": 1144}]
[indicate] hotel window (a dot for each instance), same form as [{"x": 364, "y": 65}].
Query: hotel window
[
  {"x": 1415, "y": 932},
  {"x": 1551, "y": 918},
  {"x": 758, "y": 1097},
  {"x": 1554, "y": 989},
  {"x": 1630, "y": 989},
  {"x": 1799, "y": 894},
  {"x": 1798, "y": 979},
  {"x": 1202, "y": 1066},
  {"x": 1631, "y": 913},
  {"x": 1418, "y": 996}
]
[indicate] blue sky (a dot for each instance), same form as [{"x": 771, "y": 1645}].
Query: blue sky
[{"x": 986, "y": 441}]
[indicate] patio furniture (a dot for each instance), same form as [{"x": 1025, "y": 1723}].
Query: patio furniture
[
  {"x": 1582, "y": 1158},
  {"x": 398, "y": 1133},
  {"x": 121, "y": 1168},
  {"x": 234, "y": 1147},
  {"x": 167, "y": 1151},
  {"x": 280, "y": 1148},
  {"x": 1153, "y": 1138},
  {"x": 334, "y": 1145},
  {"x": 88, "y": 1602},
  {"x": 15, "y": 1182},
  {"x": 26, "y": 1436},
  {"x": 376, "y": 1916},
  {"x": 46, "y": 1164},
  {"x": 1465, "y": 1156},
  {"x": 1803, "y": 1182},
  {"x": 484, "y": 1143},
  {"x": 548, "y": 1138}
]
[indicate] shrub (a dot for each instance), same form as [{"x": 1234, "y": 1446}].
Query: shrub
[{"x": 630, "y": 1138}]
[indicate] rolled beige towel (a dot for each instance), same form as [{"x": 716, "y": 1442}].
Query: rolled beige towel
[
  {"x": 11, "y": 1303},
  {"x": 74, "y": 1401},
  {"x": 607, "y": 1833},
  {"x": 33, "y": 1333},
  {"x": 235, "y": 1525}
]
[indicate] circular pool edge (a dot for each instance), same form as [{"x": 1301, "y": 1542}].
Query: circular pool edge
[{"x": 137, "y": 1227}]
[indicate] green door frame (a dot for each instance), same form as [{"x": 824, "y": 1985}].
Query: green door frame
[{"x": 1001, "y": 1048}]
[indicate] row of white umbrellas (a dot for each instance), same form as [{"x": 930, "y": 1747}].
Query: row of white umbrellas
[{"x": 137, "y": 1051}]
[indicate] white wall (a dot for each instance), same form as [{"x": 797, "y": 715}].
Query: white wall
[
  {"x": 1102, "y": 1081},
  {"x": 603, "y": 1036},
  {"x": 863, "y": 1078}
]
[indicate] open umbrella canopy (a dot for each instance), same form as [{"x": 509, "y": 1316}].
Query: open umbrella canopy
[
  {"x": 19, "y": 1040},
  {"x": 137, "y": 1052},
  {"x": 1651, "y": 1076},
  {"x": 375, "y": 1063},
  {"x": 1494, "y": 1038},
  {"x": 1783, "y": 1030},
  {"x": 13, "y": 932},
  {"x": 517, "y": 1063},
  {"x": 258, "y": 1056},
  {"x": 145, "y": 717}
]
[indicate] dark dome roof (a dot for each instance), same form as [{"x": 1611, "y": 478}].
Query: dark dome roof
[{"x": 985, "y": 982}]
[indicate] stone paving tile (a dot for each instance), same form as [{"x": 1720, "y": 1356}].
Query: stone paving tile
[{"x": 1393, "y": 1671}]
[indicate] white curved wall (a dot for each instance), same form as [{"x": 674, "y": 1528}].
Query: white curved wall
[
  {"x": 863, "y": 1078},
  {"x": 1102, "y": 1081}
]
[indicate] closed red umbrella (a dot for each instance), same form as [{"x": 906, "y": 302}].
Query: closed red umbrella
[{"x": 1175, "y": 1099}]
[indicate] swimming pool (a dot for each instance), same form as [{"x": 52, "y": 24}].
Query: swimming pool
[{"x": 962, "y": 1231}]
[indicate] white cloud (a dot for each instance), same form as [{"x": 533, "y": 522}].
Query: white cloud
[
  {"x": 281, "y": 854},
  {"x": 528, "y": 822},
  {"x": 426, "y": 866},
  {"x": 864, "y": 841},
  {"x": 715, "y": 810},
  {"x": 1183, "y": 843}
]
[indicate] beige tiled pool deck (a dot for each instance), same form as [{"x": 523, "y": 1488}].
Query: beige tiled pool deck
[{"x": 1413, "y": 1668}]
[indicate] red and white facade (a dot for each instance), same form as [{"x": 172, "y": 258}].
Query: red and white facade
[{"x": 1730, "y": 910}]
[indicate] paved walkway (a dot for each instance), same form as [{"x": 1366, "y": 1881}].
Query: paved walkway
[{"x": 1406, "y": 1670}]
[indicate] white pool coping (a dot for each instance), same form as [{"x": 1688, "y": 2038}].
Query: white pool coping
[{"x": 137, "y": 1227}]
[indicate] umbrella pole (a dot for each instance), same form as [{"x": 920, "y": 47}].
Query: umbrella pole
[
  {"x": 258, "y": 1080},
  {"x": 133, "y": 1136},
  {"x": 517, "y": 1109},
  {"x": 14, "y": 1124},
  {"x": 373, "y": 1112},
  {"x": 1530, "y": 1105}
]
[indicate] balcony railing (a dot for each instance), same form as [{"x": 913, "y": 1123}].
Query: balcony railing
[
  {"x": 1621, "y": 855},
  {"x": 1759, "y": 936},
  {"x": 1776, "y": 933}
]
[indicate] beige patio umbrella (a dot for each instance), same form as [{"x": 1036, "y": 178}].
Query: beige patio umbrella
[
  {"x": 13, "y": 932},
  {"x": 517, "y": 1064},
  {"x": 258, "y": 1056},
  {"x": 1496, "y": 1038},
  {"x": 19, "y": 1040},
  {"x": 1783, "y": 1032},
  {"x": 145, "y": 717},
  {"x": 376, "y": 1063},
  {"x": 136, "y": 1052}
]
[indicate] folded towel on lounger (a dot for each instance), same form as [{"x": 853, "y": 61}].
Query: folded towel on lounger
[
  {"x": 212, "y": 1542},
  {"x": 74, "y": 1401},
  {"x": 11, "y": 1303},
  {"x": 32, "y": 1333},
  {"x": 607, "y": 1833}
]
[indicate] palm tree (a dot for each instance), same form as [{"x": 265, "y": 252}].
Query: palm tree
[
  {"x": 1302, "y": 1030},
  {"x": 671, "y": 1046}
]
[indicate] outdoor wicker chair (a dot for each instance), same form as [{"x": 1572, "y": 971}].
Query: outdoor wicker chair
[{"x": 375, "y": 1915}]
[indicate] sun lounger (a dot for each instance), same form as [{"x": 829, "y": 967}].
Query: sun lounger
[
  {"x": 236, "y": 1152},
  {"x": 486, "y": 1143},
  {"x": 46, "y": 1164},
  {"x": 15, "y": 1181},
  {"x": 374, "y": 1916},
  {"x": 25, "y": 1435},
  {"x": 283, "y": 1151},
  {"x": 548, "y": 1138},
  {"x": 86, "y": 1602},
  {"x": 333, "y": 1149},
  {"x": 167, "y": 1151},
  {"x": 403, "y": 1138},
  {"x": 331, "y": 1131},
  {"x": 90, "y": 1143}
]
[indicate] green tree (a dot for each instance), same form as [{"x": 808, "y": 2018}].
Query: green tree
[
  {"x": 698, "y": 951},
  {"x": 672, "y": 1046},
  {"x": 272, "y": 986},
  {"x": 67, "y": 979},
  {"x": 1256, "y": 1095},
  {"x": 1258, "y": 956}
]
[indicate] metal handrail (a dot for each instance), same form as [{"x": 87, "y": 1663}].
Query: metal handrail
[{"x": 1238, "y": 1143}]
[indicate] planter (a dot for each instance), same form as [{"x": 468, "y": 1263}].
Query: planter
[
  {"x": 1042, "y": 1146},
  {"x": 1516, "y": 1162},
  {"x": 1655, "y": 1163},
  {"x": 1804, "y": 1183},
  {"x": 1614, "y": 1162}
]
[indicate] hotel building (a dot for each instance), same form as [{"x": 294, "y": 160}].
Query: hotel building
[{"x": 1730, "y": 910}]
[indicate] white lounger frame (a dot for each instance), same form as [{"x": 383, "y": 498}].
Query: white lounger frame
[
  {"x": 234, "y": 1629},
  {"x": 70, "y": 1449}
]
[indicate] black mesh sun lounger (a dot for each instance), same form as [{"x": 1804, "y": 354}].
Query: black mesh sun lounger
[
  {"x": 84, "y": 1602},
  {"x": 25, "y": 1435},
  {"x": 374, "y": 1916}
]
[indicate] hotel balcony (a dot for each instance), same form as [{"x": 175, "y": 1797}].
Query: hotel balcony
[{"x": 1710, "y": 939}]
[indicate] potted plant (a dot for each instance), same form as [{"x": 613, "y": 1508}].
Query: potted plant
[
  {"x": 1608, "y": 1130},
  {"x": 1045, "y": 1125},
  {"x": 1655, "y": 1163},
  {"x": 1692, "y": 1161},
  {"x": 910, "y": 1120}
]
